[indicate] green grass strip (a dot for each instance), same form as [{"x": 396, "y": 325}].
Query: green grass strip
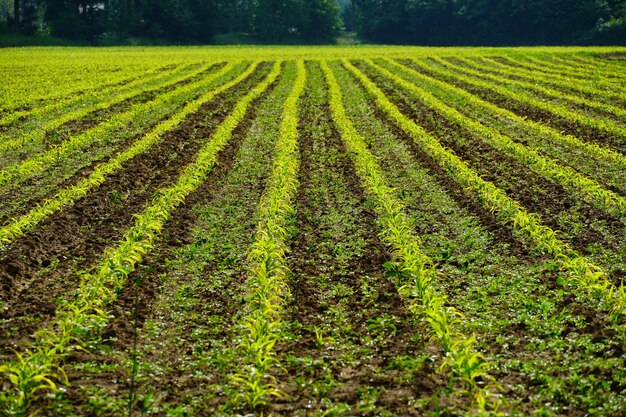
[
  {"x": 545, "y": 166},
  {"x": 68, "y": 196},
  {"x": 559, "y": 110},
  {"x": 582, "y": 274},
  {"x": 99, "y": 134},
  {"x": 267, "y": 286},
  {"x": 53, "y": 121},
  {"x": 464, "y": 98},
  {"x": 78, "y": 320},
  {"x": 418, "y": 275}
]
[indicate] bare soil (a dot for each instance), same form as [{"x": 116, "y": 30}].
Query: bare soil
[
  {"x": 74, "y": 127},
  {"x": 569, "y": 306},
  {"x": 583, "y": 132},
  {"x": 535, "y": 193},
  {"x": 137, "y": 300},
  {"x": 310, "y": 263},
  {"x": 78, "y": 235}
]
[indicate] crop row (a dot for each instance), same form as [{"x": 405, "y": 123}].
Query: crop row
[
  {"x": 67, "y": 196},
  {"x": 568, "y": 177},
  {"x": 492, "y": 305},
  {"x": 103, "y": 133},
  {"x": 418, "y": 278},
  {"x": 267, "y": 288},
  {"x": 545, "y": 91},
  {"x": 43, "y": 120},
  {"x": 577, "y": 86},
  {"x": 586, "y": 68},
  {"x": 563, "y": 68},
  {"x": 193, "y": 284},
  {"x": 581, "y": 154},
  {"x": 519, "y": 104},
  {"x": 85, "y": 314},
  {"x": 51, "y": 108},
  {"x": 545, "y": 166},
  {"x": 473, "y": 77},
  {"x": 28, "y": 88},
  {"x": 39, "y": 366},
  {"x": 583, "y": 274},
  {"x": 589, "y": 81}
]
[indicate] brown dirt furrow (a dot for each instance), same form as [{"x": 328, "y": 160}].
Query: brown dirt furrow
[
  {"x": 561, "y": 87},
  {"x": 38, "y": 102},
  {"x": 20, "y": 202},
  {"x": 314, "y": 270},
  {"x": 74, "y": 238},
  {"x": 74, "y": 127},
  {"x": 536, "y": 194},
  {"x": 459, "y": 287},
  {"x": 502, "y": 233},
  {"x": 137, "y": 300},
  {"x": 547, "y": 97},
  {"x": 538, "y": 115}
]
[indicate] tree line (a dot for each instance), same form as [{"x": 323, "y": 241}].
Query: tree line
[
  {"x": 179, "y": 21},
  {"x": 489, "y": 22},
  {"x": 421, "y": 22}
]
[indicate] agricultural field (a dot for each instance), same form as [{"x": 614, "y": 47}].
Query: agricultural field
[{"x": 313, "y": 231}]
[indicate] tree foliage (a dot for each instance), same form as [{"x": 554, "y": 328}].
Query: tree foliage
[
  {"x": 488, "y": 22},
  {"x": 423, "y": 22},
  {"x": 181, "y": 21}
]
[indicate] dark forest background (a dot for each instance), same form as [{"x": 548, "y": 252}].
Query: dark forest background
[{"x": 421, "y": 22}]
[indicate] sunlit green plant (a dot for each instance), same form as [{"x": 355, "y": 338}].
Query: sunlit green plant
[{"x": 267, "y": 283}]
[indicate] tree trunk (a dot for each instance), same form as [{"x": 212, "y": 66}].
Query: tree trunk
[{"x": 16, "y": 15}]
